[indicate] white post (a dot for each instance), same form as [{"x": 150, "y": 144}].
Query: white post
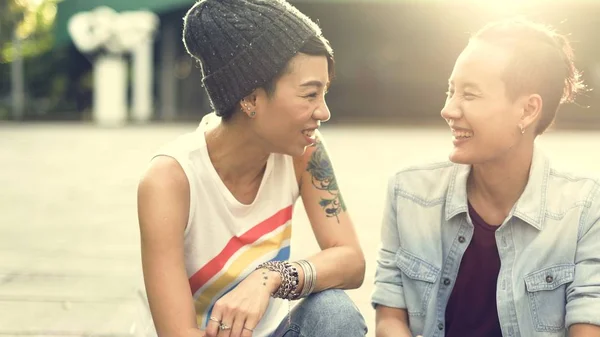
[
  {"x": 17, "y": 80},
  {"x": 110, "y": 90},
  {"x": 143, "y": 81},
  {"x": 112, "y": 35}
]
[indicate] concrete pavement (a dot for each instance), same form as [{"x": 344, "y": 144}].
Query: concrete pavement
[{"x": 69, "y": 242}]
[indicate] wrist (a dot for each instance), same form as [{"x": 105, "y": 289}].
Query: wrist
[
  {"x": 287, "y": 283},
  {"x": 269, "y": 279}
]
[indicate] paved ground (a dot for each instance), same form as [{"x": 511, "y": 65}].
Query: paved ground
[{"x": 69, "y": 245}]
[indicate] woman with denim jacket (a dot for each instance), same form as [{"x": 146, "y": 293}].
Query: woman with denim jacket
[{"x": 495, "y": 242}]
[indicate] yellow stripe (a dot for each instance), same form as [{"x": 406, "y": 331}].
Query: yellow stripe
[{"x": 236, "y": 268}]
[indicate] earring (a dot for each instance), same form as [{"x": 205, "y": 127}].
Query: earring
[
  {"x": 252, "y": 114},
  {"x": 522, "y": 129}
]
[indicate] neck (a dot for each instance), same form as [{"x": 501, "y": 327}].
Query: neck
[
  {"x": 236, "y": 152},
  {"x": 501, "y": 182}
]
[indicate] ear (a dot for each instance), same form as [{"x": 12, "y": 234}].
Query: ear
[
  {"x": 253, "y": 102},
  {"x": 532, "y": 111},
  {"x": 248, "y": 104}
]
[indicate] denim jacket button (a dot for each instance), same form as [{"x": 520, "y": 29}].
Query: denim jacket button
[
  {"x": 446, "y": 281},
  {"x": 549, "y": 278},
  {"x": 441, "y": 326},
  {"x": 461, "y": 239}
]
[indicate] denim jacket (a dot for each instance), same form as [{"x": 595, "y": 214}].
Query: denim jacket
[{"x": 549, "y": 247}]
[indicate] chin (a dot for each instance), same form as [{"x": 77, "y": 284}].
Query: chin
[
  {"x": 460, "y": 157},
  {"x": 294, "y": 151}
]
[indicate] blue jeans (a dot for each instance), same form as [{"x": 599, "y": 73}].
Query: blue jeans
[{"x": 330, "y": 313}]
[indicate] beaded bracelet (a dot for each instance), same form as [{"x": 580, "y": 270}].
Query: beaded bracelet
[{"x": 310, "y": 278}]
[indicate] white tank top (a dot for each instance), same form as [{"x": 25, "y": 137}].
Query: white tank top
[{"x": 226, "y": 240}]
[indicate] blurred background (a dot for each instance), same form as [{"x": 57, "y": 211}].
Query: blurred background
[
  {"x": 89, "y": 89},
  {"x": 393, "y": 57}
]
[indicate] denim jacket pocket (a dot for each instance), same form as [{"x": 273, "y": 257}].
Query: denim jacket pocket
[
  {"x": 418, "y": 279},
  {"x": 546, "y": 289}
]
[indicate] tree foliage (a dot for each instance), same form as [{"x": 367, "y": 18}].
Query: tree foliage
[{"x": 31, "y": 21}]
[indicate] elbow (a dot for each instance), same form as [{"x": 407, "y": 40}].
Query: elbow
[
  {"x": 358, "y": 270},
  {"x": 360, "y": 278}
]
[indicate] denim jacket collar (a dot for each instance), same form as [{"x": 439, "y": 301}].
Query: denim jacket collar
[{"x": 531, "y": 205}]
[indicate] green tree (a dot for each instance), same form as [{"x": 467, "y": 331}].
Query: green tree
[
  {"x": 30, "y": 21},
  {"x": 26, "y": 37}
]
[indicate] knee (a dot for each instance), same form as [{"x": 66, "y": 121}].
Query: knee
[{"x": 332, "y": 313}]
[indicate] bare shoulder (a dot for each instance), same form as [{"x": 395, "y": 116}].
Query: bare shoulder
[
  {"x": 164, "y": 172},
  {"x": 163, "y": 193},
  {"x": 314, "y": 157}
]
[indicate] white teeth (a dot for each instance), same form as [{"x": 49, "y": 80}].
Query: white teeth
[
  {"x": 462, "y": 134},
  {"x": 309, "y": 133}
]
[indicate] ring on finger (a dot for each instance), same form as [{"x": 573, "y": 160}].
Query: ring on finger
[
  {"x": 251, "y": 330},
  {"x": 224, "y": 326},
  {"x": 214, "y": 319}
]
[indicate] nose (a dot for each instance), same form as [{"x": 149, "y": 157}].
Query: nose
[
  {"x": 450, "y": 110},
  {"x": 322, "y": 112}
]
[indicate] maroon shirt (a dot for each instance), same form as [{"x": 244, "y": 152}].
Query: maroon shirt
[{"x": 471, "y": 309}]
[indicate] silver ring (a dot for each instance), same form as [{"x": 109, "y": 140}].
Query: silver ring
[
  {"x": 251, "y": 330},
  {"x": 214, "y": 319},
  {"x": 224, "y": 327}
]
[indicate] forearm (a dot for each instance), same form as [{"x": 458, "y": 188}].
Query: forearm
[
  {"x": 391, "y": 322},
  {"x": 392, "y": 328},
  {"x": 336, "y": 268},
  {"x": 584, "y": 330}
]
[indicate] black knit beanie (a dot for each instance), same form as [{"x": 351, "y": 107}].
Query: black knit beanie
[{"x": 243, "y": 44}]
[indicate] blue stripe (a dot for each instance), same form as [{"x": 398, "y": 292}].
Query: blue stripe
[{"x": 283, "y": 255}]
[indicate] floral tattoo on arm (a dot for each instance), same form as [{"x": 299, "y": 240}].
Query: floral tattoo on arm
[{"x": 323, "y": 178}]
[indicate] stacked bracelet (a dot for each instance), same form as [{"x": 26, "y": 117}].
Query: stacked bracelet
[
  {"x": 288, "y": 289},
  {"x": 310, "y": 278},
  {"x": 289, "y": 278}
]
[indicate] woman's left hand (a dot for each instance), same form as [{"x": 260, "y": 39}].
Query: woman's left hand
[{"x": 238, "y": 312}]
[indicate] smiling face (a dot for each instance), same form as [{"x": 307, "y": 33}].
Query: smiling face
[
  {"x": 286, "y": 119},
  {"x": 484, "y": 120}
]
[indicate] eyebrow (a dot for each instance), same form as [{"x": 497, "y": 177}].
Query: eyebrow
[
  {"x": 313, "y": 83},
  {"x": 471, "y": 85}
]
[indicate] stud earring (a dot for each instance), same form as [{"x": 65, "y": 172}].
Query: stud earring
[
  {"x": 522, "y": 129},
  {"x": 252, "y": 114}
]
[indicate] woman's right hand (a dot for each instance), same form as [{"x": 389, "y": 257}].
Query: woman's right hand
[
  {"x": 195, "y": 333},
  {"x": 242, "y": 308}
]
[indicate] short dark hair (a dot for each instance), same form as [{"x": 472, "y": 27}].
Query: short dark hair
[
  {"x": 317, "y": 45},
  {"x": 541, "y": 62}
]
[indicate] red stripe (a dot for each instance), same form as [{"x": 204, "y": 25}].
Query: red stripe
[{"x": 235, "y": 243}]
